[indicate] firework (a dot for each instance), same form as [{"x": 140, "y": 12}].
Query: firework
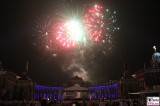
[
  {"x": 70, "y": 33},
  {"x": 87, "y": 31},
  {"x": 100, "y": 23},
  {"x": 94, "y": 22},
  {"x": 43, "y": 32}
]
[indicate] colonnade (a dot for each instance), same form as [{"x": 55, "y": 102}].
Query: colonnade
[
  {"x": 104, "y": 92},
  {"x": 48, "y": 93},
  {"x": 95, "y": 92}
]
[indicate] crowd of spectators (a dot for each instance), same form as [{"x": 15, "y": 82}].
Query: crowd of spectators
[{"x": 44, "y": 102}]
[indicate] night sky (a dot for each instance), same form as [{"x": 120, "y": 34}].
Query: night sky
[{"x": 138, "y": 20}]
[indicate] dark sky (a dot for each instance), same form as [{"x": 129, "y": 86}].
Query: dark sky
[{"x": 138, "y": 20}]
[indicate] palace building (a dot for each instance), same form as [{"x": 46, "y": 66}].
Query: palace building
[
  {"x": 149, "y": 78},
  {"x": 76, "y": 91},
  {"x": 22, "y": 87},
  {"x": 143, "y": 82},
  {"x": 13, "y": 86}
]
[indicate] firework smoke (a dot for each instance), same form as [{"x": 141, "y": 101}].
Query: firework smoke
[{"x": 75, "y": 65}]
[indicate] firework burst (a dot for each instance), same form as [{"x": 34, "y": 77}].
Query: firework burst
[
  {"x": 43, "y": 32},
  {"x": 94, "y": 22},
  {"x": 85, "y": 31},
  {"x": 70, "y": 33},
  {"x": 100, "y": 23}
]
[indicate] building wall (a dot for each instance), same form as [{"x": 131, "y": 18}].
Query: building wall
[
  {"x": 127, "y": 86},
  {"x": 152, "y": 78},
  {"x": 12, "y": 88},
  {"x": 104, "y": 92},
  {"x": 94, "y": 92},
  {"x": 48, "y": 93},
  {"x": 24, "y": 89},
  {"x": 7, "y": 85}
]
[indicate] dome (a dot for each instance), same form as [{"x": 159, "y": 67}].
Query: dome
[
  {"x": 156, "y": 57},
  {"x": 77, "y": 78}
]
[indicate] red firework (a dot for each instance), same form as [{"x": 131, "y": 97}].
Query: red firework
[
  {"x": 94, "y": 22},
  {"x": 63, "y": 38}
]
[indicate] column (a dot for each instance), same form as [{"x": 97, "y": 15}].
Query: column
[
  {"x": 99, "y": 93},
  {"x": 95, "y": 94},
  {"x": 102, "y": 93},
  {"x": 54, "y": 95},
  {"x": 90, "y": 94},
  {"x": 50, "y": 94},
  {"x": 108, "y": 93},
  {"x": 37, "y": 94},
  {"x": 58, "y": 95}
]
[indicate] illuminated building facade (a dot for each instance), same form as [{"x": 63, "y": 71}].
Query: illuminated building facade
[
  {"x": 75, "y": 92},
  {"x": 49, "y": 93},
  {"x": 104, "y": 92},
  {"x": 92, "y": 92},
  {"x": 77, "y": 88},
  {"x": 22, "y": 87}
]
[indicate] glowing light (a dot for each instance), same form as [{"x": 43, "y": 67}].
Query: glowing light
[
  {"x": 70, "y": 33},
  {"x": 154, "y": 47},
  {"x": 54, "y": 55},
  {"x": 74, "y": 30},
  {"x": 47, "y": 47}
]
